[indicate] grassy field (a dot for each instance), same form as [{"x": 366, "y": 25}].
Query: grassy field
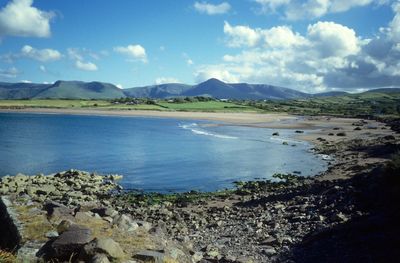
[
  {"x": 371, "y": 104},
  {"x": 349, "y": 105},
  {"x": 211, "y": 106}
]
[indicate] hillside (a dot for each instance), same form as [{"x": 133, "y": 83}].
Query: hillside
[
  {"x": 60, "y": 90},
  {"x": 158, "y": 91}
]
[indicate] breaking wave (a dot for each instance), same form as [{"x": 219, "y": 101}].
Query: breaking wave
[{"x": 194, "y": 128}]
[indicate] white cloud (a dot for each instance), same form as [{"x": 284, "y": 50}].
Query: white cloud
[
  {"x": 25, "y": 81},
  {"x": 221, "y": 72},
  {"x": 43, "y": 69},
  {"x": 86, "y": 66},
  {"x": 9, "y": 73},
  {"x": 42, "y": 55},
  {"x": 119, "y": 86},
  {"x": 164, "y": 80},
  {"x": 241, "y": 35},
  {"x": 282, "y": 36},
  {"x": 189, "y": 62},
  {"x": 135, "y": 52},
  {"x": 311, "y": 9},
  {"x": 331, "y": 39},
  {"x": 210, "y": 9},
  {"x": 20, "y": 18}
]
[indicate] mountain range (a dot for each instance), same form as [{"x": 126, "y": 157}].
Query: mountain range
[{"x": 211, "y": 88}]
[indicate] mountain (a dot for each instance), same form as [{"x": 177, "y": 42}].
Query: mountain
[
  {"x": 384, "y": 90},
  {"x": 216, "y": 89},
  {"x": 60, "y": 90},
  {"x": 158, "y": 91},
  {"x": 20, "y": 90}
]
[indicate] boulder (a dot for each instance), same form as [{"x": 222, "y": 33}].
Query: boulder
[
  {"x": 125, "y": 223},
  {"x": 150, "y": 256},
  {"x": 105, "y": 246},
  {"x": 99, "y": 258},
  {"x": 67, "y": 244}
]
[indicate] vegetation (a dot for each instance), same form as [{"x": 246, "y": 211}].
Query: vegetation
[
  {"x": 180, "y": 104},
  {"x": 145, "y": 199},
  {"x": 363, "y": 104},
  {"x": 379, "y": 105},
  {"x": 7, "y": 257}
]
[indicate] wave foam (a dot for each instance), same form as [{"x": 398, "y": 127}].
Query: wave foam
[{"x": 203, "y": 132}]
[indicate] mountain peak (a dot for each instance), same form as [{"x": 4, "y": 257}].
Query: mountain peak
[{"x": 213, "y": 81}]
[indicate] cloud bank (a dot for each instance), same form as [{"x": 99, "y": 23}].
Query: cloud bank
[{"x": 328, "y": 55}]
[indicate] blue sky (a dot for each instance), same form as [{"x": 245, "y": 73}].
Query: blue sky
[{"x": 310, "y": 45}]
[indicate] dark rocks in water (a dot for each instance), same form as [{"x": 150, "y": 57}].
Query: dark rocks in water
[
  {"x": 275, "y": 134},
  {"x": 357, "y": 129},
  {"x": 341, "y": 134},
  {"x": 298, "y": 131}
]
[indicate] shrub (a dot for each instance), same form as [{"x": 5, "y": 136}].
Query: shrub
[{"x": 7, "y": 257}]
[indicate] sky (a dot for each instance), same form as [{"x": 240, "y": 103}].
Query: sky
[{"x": 307, "y": 45}]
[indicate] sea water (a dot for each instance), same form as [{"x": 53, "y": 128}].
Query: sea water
[{"x": 153, "y": 154}]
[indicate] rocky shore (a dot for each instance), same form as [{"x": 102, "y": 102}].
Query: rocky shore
[{"x": 76, "y": 216}]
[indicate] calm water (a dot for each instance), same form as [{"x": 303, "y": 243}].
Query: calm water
[{"x": 153, "y": 154}]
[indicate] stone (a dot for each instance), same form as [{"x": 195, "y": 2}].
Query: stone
[
  {"x": 125, "y": 223},
  {"x": 83, "y": 216},
  {"x": 64, "y": 226},
  {"x": 100, "y": 258},
  {"x": 269, "y": 241},
  {"x": 55, "y": 209},
  {"x": 269, "y": 251},
  {"x": 104, "y": 246},
  {"x": 197, "y": 256},
  {"x": 150, "y": 256},
  {"x": 52, "y": 234},
  {"x": 69, "y": 242},
  {"x": 105, "y": 211},
  {"x": 340, "y": 217}
]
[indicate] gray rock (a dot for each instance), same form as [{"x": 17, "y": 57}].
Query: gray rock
[
  {"x": 125, "y": 222},
  {"x": 69, "y": 242},
  {"x": 99, "y": 258},
  {"x": 52, "y": 234},
  {"x": 150, "y": 256},
  {"x": 104, "y": 246}
]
